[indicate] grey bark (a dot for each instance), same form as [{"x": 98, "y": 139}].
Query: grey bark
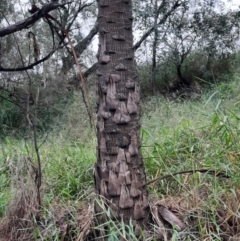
[{"x": 119, "y": 171}]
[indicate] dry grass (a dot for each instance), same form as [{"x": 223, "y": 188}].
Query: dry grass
[{"x": 23, "y": 211}]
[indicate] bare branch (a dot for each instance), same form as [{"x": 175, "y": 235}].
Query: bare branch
[
  {"x": 162, "y": 21},
  {"x": 90, "y": 70},
  {"x": 76, "y": 14},
  {"x": 26, "y": 23},
  {"x": 2, "y": 69},
  {"x": 80, "y": 47}
]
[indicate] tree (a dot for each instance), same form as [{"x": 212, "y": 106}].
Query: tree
[
  {"x": 51, "y": 70},
  {"x": 206, "y": 30},
  {"x": 119, "y": 171},
  {"x": 179, "y": 42}
]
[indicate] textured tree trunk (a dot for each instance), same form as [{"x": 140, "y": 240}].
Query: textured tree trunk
[{"x": 119, "y": 171}]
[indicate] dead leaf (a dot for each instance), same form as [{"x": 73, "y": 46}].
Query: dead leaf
[{"x": 171, "y": 218}]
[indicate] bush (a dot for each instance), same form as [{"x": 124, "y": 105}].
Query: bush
[{"x": 195, "y": 69}]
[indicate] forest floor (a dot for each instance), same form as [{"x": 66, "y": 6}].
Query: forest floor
[{"x": 178, "y": 138}]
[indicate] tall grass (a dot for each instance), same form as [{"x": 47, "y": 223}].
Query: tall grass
[
  {"x": 176, "y": 137},
  {"x": 196, "y": 135}
]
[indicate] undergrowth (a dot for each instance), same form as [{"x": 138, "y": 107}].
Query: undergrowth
[{"x": 176, "y": 137}]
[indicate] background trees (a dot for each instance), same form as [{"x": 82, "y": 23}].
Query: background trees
[
  {"x": 53, "y": 77},
  {"x": 173, "y": 36},
  {"x": 185, "y": 39}
]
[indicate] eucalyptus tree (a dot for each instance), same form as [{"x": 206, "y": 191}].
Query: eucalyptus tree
[
  {"x": 180, "y": 39},
  {"x": 206, "y": 27},
  {"x": 35, "y": 53},
  {"x": 219, "y": 30}
]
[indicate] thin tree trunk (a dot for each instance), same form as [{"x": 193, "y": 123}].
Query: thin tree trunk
[
  {"x": 209, "y": 61},
  {"x": 179, "y": 73},
  {"x": 154, "y": 65},
  {"x": 119, "y": 171},
  {"x": 154, "y": 52},
  {"x": 183, "y": 81}
]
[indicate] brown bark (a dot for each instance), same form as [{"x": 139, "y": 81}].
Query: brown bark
[{"x": 119, "y": 171}]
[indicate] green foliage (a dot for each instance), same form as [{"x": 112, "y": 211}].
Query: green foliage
[
  {"x": 115, "y": 230},
  {"x": 69, "y": 170},
  {"x": 194, "y": 70},
  {"x": 191, "y": 130},
  {"x": 5, "y": 195},
  {"x": 48, "y": 114},
  {"x": 10, "y": 115},
  {"x": 13, "y": 119},
  {"x": 190, "y": 136}
]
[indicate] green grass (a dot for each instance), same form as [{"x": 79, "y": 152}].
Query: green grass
[
  {"x": 196, "y": 135},
  {"x": 176, "y": 137},
  {"x": 69, "y": 169},
  {"x": 190, "y": 135}
]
